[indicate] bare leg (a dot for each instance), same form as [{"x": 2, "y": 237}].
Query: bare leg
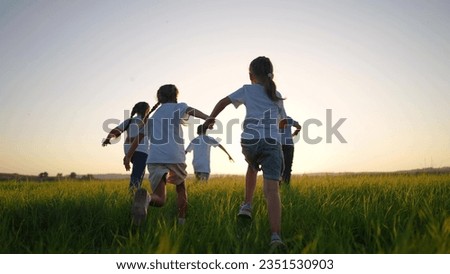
[
  {"x": 273, "y": 205},
  {"x": 250, "y": 184},
  {"x": 158, "y": 197},
  {"x": 181, "y": 200}
]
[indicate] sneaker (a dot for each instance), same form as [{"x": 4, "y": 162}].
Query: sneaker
[
  {"x": 277, "y": 244},
  {"x": 245, "y": 211},
  {"x": 140, "y": 205}
]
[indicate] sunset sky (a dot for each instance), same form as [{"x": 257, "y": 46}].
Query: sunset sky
[{"x": 69, "y": 70}]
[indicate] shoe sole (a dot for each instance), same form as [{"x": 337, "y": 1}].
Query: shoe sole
[
  {"x": 245, "y": 215},
  {"x": 139, "y": 210},
  {"x": 277, "y": 247}
]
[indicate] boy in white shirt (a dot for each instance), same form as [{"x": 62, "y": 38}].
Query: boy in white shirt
[
  {"x": 201, "y": 147},
  {"x": 166, "y": 160}
]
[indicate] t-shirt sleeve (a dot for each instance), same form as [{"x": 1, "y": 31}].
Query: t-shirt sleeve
[
  {"x": 281, "y": 110},
  {"x": 189, "y": 147},
  {"x": 290, "y": 121},
  {"x": 211, "y": 141},
  {"x": 122, "y": 125},
  {"x": 238, "y": 97},
  {"x": 182, "y": 108}
]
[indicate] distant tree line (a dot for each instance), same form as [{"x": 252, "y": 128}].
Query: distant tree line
[{"x": 44, "y": 177}]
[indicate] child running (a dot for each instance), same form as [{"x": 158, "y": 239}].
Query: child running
[
  {"x": 260, "y": 139},
  {"x": 133, "y": 126},
  {"x": 201, "y": 147},
  {"x": 166, "y": 161},
  {"x": 287, "y": 145}
]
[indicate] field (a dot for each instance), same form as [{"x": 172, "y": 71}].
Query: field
[{"x": 347, "y": 214}]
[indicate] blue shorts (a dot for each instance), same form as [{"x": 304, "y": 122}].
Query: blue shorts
[{"x": 265, "y": 155}]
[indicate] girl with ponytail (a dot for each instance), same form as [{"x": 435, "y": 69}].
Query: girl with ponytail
[
  {"x": 132, "y": 127},
  {"x": 166, "y": 162},
  {"x": 260, "y": 139}
]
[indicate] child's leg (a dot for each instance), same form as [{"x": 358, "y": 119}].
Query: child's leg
[
  {"x": 250, "y": 184},
  {"x": 273, "y": 205},
  {"x": 137, "y": 173},
  {"x": 158, "y": 197},
  {"x": 181, "y": 200},
  {"x": 177, "y": 176},
  {"x": 288, "y": 153}
]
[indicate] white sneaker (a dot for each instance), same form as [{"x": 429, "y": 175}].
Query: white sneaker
[
  {"x": 245, "y": 211},
  {"x": 140, "y": 205}
]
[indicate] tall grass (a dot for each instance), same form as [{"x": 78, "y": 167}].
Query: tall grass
[{"x": 321, "y": 214}]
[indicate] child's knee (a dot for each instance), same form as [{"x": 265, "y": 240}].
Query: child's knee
[
  {"x": 181, "y": 187},
  {"x": 270, "y": 187}
]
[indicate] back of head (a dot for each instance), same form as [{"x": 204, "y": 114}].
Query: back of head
[
  {"x": 140, "y": 108},
  {"x": 167, "y": 94},
  {"x": 262, "y": 69},
  {"x": 201, "y": 130}
]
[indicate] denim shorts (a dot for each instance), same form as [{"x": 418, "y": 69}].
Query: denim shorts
[{"x": 265, "y": 155}]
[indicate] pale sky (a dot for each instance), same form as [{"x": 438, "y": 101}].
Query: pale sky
[{"x": 68, "y": 66}]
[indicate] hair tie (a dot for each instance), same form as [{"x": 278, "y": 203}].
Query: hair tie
[{"x": 270, "y": 75}]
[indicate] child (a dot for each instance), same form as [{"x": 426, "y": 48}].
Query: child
[
  {"x": 260, "y": 139},
  {"x": 166, "y": 162},
  {"x": 133, "y": 126},
  {"x": 287, "y": 145},
  {"x": 201, "y": 146}
]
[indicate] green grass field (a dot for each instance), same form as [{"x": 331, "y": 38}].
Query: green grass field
[{"x": 321, "y": 214}]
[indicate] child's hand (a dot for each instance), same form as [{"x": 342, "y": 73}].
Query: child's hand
[
  {"x": 296, "y": 132},
  {"x": 209, "y": 123},
  {"x": 106, "y": 142},
  {"x": 126, "y": 163}
]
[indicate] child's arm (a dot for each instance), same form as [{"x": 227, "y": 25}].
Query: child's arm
[
  {"x": 189, "y": 148},
  {"x": 298, "y": 128},
  {"x": 229, "y": 156},
  {"x": 217, "y": 109},
  {"x": 114, "y": 133},
  {"x": 196, "y": 113},
  {"x": 133, "y": 147}
]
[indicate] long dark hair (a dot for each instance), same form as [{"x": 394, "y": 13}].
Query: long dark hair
[
  {"x": 165, "y": 94},
  {"x": 140, "y": 108},
  {"x": 262, "y": 70}
]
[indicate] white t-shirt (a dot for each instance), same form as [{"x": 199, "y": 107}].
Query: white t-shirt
[
  {"x": 201, "y": 145},
  {"x": 133, "y": 131},
  {"x": 262, "y": 114},
  {"x": 166, "y": 135}
]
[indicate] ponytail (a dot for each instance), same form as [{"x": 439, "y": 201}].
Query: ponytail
[
  {"x": 155, "y": 106},
  {"x": 262, "y": 69},
  {"x": 271, "y": 88}
]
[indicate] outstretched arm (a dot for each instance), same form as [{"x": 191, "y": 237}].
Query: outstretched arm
[
  {"x": 229, "y": 156},
  {"x": 217, "y": 109},
  {"x": 196, "y": 113},
  {"x": 114, "y": 133}
]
